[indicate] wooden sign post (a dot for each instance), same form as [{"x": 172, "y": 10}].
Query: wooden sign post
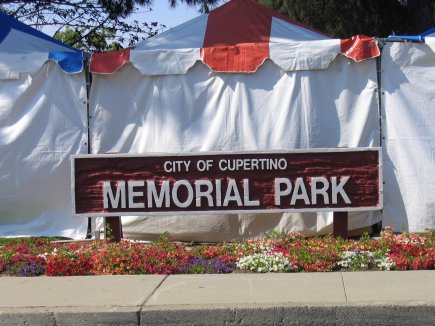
[
  {"x": 115, "y": 225},
  {"x": 340, "y": 224}
]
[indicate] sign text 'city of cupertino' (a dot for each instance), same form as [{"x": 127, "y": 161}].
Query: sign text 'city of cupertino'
[{"x": 201, "y": 183}]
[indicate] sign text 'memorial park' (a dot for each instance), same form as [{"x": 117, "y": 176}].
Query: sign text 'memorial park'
[{"x": 201, "y": 183}]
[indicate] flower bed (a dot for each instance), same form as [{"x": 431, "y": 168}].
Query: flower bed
[{"x": 275, "y": 252}]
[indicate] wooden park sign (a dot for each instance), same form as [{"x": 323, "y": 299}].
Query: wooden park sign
[{"x": 338, "y": 180}]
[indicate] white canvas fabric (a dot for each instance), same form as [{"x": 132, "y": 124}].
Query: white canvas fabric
[
  {"x": 187, "y": 35},
  {"x": 293, "y": 47},
  {"x": 12, "y": 64},
  {"x": 172, "y": 52},
  {"x": 204, "y": 111},
  {"x": 408, "y": 85},
  {"x": 430, "y": 41},
  {"x": 42, "y": 122}
]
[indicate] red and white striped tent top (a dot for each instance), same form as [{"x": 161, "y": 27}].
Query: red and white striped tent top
[{"x": 236, "y": 37}]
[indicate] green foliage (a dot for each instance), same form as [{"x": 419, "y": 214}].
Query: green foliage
[
  {"x": 96, "y": 41},
  {"x": 109, "y": 234},
  {"x": 282, "y": 235},
  {"x": 343, "y": 19},
  {"x": 365, "y": 238},
  {"x": 275, "y": 235},
  {"x": 165, "y": 238},
  {"x": 204, "y": 5}
]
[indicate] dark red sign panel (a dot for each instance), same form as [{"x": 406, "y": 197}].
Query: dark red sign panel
[{"x": 315, "y": 180}]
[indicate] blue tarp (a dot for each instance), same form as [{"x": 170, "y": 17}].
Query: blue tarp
[{"x": 414, "y": 38}]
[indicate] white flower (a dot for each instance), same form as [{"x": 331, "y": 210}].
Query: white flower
[
  {"x": 43, "y": 255},
  {"x": 365, "y": 259},
  {"x": 265, "y": 262},
  {"x": 384, "y": 263}
]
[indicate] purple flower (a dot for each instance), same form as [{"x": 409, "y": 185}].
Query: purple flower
[
  {"x": 199, "y": 265},
  {"x": 24, "y": 265}
]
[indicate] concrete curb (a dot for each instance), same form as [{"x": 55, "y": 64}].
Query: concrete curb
[
  {"x": 292, "y": 315},
  {"x": 409, "y": 314}
]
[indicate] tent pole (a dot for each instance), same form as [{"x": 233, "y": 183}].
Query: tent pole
[
  {"x": 380, "y": 93},
  {"x": 88, "y": 77},
  {"x": 380, "y": 99}
]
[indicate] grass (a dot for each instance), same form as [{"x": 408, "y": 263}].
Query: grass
[{"x": 18, "y": 240}]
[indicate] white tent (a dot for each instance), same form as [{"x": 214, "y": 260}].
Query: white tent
[
  {"x": 408, "y": 128},
  {"x": 240, "y": 78},
  {"x": 42, "y": 122}
]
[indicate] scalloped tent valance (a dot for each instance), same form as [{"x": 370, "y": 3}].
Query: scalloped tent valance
[
  {"x": 25, "y": 49},
  {"x": 237, "y": 38}
]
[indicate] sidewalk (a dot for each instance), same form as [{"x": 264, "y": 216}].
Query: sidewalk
[{"x": 343, "y": 298}]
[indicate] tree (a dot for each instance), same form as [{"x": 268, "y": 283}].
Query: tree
[
  {"x": 96, "y": 41},
  {"x": 343, "y": 19},
  {"x": 204, "y": 5},
  {"x": 92, "y": 24}
]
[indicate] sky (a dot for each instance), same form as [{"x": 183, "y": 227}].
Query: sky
[{"x": 164, "y": 14}]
